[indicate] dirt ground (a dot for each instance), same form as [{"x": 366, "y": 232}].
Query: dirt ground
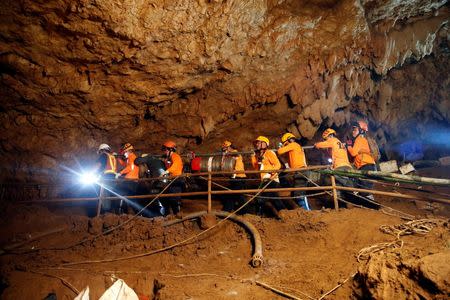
[{"x": 305, "y": 254}]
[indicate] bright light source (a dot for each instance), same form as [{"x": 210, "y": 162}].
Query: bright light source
[
  {"x": 330, "y": 160},
  {"x": 89, "y": 178}
]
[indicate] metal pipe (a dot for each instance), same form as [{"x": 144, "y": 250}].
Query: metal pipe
[
  {"x": 249, "y": 152},
  {"x": 257, "y": 258}
]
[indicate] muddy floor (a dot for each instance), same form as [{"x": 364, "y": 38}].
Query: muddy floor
[{"x": 306, "y": 254}]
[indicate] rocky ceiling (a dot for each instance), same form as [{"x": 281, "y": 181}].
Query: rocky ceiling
[{"x": 75, "y": 74}]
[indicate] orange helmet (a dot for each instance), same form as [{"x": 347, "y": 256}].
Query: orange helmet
[
  {"x": 170, "y": 144},
  {"x": 226, "y": 144},
  {"x": 362, "y": 125},
  {"x": 127, "y": 147},
  {"x": 327, "y": 132}
]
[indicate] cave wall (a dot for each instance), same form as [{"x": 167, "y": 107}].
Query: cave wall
[{"x": 75, "y": 74}]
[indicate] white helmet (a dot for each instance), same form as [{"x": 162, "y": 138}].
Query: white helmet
[{"x": 103, "y": 147}]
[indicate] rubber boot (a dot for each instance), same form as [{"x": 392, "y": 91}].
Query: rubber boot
[{"x": 303, "y": 202}]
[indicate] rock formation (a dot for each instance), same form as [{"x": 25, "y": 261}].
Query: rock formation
[{"x": 78, "y": 73}]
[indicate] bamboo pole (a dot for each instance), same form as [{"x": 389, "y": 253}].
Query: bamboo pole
[
  {"x": 209, "y": 193},
  {"x": 100, "y": 201},
  {"x": 219, "y": 192},
  {"x": 335, "y": 199},
  {"x": 391, "y": 194},
  {"x": 391, "y": 176}
]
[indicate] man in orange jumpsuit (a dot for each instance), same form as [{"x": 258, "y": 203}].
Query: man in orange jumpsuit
[
  {"x": 130, "y": 172},
  {"x": 174, "y": 167},
  {"x": 237, "y": 180},
  {"x": 265, "y": 159},
  {"x": 359, "y": 149},
  {"x": 297, "y": 160},
  {"x": 339, "y": 155}
]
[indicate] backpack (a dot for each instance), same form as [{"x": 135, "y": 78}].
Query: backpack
[{"x": 374, "y": 149}]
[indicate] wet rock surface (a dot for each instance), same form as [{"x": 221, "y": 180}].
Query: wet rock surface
[{"x": 79, "y": 73}]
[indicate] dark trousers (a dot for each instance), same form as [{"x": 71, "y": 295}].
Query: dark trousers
[
  {"x": 173, "y": 202},
  {"x": 301, "y": 181},
  {"x": 126, "y": 188},
  {"x": 234, "y": 201},
  {"x": 108, "y": 185},
  {"x": 364, "y": 184},
  {"x": 268, "y": 201}
]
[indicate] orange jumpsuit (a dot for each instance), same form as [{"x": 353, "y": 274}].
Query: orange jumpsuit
[
  {"x": 239, "y": 164},
  {"x": 131, "y": 171},
  {"x": 338, "y": 152},
  {"x": 296, "y": 155},
  {"x": 269, "y": 162},
  {"x": 175, "y": 165},
  {"x": 361, "y": 152}
]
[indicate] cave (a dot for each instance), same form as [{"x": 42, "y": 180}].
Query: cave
[{"x": 80, "y": 73}]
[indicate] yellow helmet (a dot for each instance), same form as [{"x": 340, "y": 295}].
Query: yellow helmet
[
  {"x": 226, "y": 144},
  {"x": 287, "y": 136},
  {"x": 327, "y": 132},
  {"x": 263, "y": 139}
]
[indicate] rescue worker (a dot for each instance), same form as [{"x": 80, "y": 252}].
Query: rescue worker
[
  {"x": 339, "y": 155},
  {"x": 267, "y": 160},
  {"x": 237, "y": 181},
  {"x": 106, "y": 165},
  {"x": 130, "y": 171},
  {"x": 174, "y": 167},
  {"x": 359, "y": 150},
  {"x": 297, "y": 160}
]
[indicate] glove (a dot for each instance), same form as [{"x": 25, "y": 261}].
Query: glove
[
  {"x": 349, "y": 143},
  {"x": 118, "y": 175},
  {"x": 286, "y": 165},
  {"x": 267, "y": 176}
]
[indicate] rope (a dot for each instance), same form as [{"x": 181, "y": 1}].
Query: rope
[
  {"x": 65, "y": 282},
  {"x": 265, "y": 197},
  {"x": 337, "y": 286},
  {"x": 400, "y": 213},
  {"x": 107, "y": 231},
  {"x": 422, "y": 227},
  {"x": 174, "y": 245}
]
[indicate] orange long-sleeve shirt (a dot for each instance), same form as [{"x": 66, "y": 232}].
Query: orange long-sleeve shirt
[
  {"x": 338, "y": 152},
  {"x": 361, "y": 152},
  {"x": 296, "y": 155},
  {"x": 176, "y": 166},
  {"x": 269, "y": 162},
  {"x": 131, "y": 171},
  {"x": 239, "y": 166}
]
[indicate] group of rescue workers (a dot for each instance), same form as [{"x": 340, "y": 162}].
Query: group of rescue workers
[{"x": 263, "y": 159}]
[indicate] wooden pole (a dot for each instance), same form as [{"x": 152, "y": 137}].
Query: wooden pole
[
  {"x": 100, "y": 201},
  {"x": 391, "y": 194},
  {"x": 209, "y": 192},
  {"x": 335, "y": 199},
  {"x": 220, "y": 192}
]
